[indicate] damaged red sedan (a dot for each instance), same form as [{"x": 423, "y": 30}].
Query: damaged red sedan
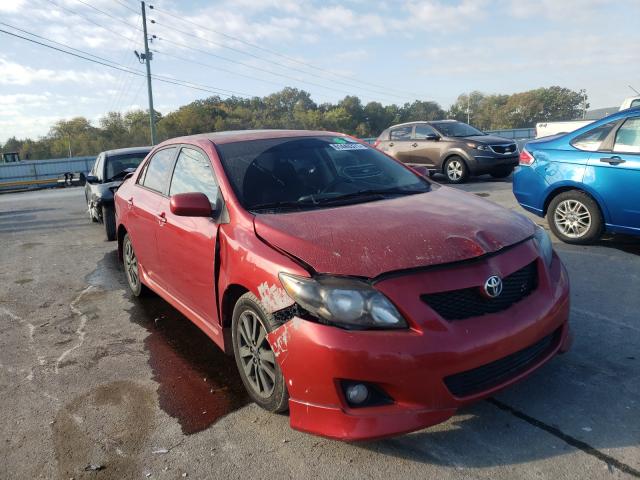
[{"x": 364, "y": 298}]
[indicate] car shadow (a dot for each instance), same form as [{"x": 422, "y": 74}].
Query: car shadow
[{"x": 624, "y": 243}]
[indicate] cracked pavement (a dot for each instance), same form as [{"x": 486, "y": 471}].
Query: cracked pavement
[{"x": 94, "y": 384}]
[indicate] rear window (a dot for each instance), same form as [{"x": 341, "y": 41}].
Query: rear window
[
  {"x": 591, "y": 141},
  {"x": 309, "y": 171}
]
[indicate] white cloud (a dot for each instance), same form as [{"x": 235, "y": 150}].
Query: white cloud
[
  {"x": 22, "y": 74},
  {"x": 11, "y": 6}
]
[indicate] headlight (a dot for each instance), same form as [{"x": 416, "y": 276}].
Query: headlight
[
  {"x": 544, "y": 245},
  {"x": 344, "y": 302},
  {"x": 479, "y": 146}
]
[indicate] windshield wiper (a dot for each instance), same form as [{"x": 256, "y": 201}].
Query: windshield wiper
[
  {"x": 278, "y": 205},
  {"x": 368, "y": 194},
  {"x": 121, "y": 173}
]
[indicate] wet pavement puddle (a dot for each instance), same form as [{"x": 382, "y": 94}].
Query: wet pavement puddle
[{"x": 198, "y": 383}]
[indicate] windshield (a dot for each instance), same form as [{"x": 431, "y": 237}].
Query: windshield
[
  {"x": 313, "y": 172},
  {"x": 117, "y": 165},
  {"x": 456, "y": 129}
]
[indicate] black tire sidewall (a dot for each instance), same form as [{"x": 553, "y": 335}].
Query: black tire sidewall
[
  {"x": 465, "y": 170},
  {"x": 109, "y": 220},
  {"x": 596, "y": 228},
  {"x": 279, "y": 399}
]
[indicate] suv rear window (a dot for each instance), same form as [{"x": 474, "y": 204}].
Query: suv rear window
[
  {"x": 310, "y": 172},
  {"x": 401, "y": 133}
]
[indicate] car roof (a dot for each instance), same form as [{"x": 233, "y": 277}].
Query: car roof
[
  {"x": 417, "y": 122},
  {"x": 125, "y": 151},
  {"x": 231, "y": 136}
]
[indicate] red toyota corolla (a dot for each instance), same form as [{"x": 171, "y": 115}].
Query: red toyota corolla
[{"x": 364, "y": 298}]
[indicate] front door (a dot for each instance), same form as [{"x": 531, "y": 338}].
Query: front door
[
  {"x": 614, "y": 174},
  {"x": 186, "y": 245},
  {"x": 425, "y": 146},
  {"x": 143, "y": 204}
]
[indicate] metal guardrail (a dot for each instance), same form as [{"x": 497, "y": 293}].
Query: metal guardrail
[{"x": 40, "y": 173}]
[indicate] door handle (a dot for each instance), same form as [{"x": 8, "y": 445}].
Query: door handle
[
  {"x": 613, "y": 160},
  {"x": 162, "y": 218},
  {"x": 391, "y": 144},
  {"x": 414, "y": 144},
  {"x": 130, "y": 202}
]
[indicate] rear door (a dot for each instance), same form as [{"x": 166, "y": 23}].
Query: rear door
[
  {"x": 186, "y": 245},
  {"x": 614, "y": 173},
  {"x": 399, "y": 144},
  {"x": 151, "y": 187}
]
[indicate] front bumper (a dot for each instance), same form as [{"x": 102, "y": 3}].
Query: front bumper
[
  {"x": 486, "y": 163},
  {"x": 411, "y": 365}
]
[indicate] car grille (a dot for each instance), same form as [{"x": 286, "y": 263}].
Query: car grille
[
  {"x": 469, "y": 302},
  {"x": 504, "y": 148},
  {"x": 493, "y": 374}
]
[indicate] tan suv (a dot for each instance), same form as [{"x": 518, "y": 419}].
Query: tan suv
[{"x": 450, "y": 147}]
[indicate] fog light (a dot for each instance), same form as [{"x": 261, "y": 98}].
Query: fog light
[{"x": 357, "y": 393}]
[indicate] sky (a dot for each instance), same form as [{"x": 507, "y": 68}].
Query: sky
[{"x": 383, "y": 50}]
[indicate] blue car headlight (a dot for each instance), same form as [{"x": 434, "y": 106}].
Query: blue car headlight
[{"x": 545, "y": 247}]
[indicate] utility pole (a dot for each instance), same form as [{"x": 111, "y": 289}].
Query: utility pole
[{"x": 147, "y": 60}]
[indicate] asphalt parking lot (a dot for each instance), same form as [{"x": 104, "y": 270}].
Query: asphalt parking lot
[{"x": 95, "y": 384}]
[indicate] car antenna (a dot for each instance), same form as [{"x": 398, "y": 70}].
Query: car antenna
[{"x": 637, "y": 92}]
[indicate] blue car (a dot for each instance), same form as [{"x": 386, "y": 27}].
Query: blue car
[{"x": 586, "y": 182}]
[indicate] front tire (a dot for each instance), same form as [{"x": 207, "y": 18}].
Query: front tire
[
  {"x": 109, "y": 220},
  {"x": 456, "y": 170},
  {"x": 574, "y": 217},
  {"x": 259, "y": 370}
]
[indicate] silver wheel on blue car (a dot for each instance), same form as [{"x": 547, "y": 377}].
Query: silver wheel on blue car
[
  {"x": 574, "y": 217},
  {"x": 255, "y": 359}
]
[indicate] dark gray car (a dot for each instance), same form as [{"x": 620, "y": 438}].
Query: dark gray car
[
  {"x": 450, "y": 147},
  {"x": 105, "y": 177}
]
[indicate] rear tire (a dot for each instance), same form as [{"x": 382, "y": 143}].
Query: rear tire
[
  {"x": 109, "y": 220},
  {"x": 131, "y": 269},
  {"x": 575, "y": 217},
  {"x": 501, "y": 172},
  {"x": 456, "y": 170},
  {"x": 259, "y": 370}
]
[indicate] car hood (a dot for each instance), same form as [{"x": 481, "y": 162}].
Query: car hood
[
  {"x": 489, "y": 139},
  {"x": 369, "y": 239}
]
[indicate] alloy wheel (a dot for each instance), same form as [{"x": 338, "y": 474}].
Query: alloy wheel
[
  {"x": 454, "y": 170},
  {"x": 256, "y": 357},
  {"x": 572, "y": 218},
  {"x": 131, "y": 266}
]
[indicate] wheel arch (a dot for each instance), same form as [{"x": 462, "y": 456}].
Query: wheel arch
[
  {"x": 454, "y": 153},
  {"x": 121, "y": 231}
]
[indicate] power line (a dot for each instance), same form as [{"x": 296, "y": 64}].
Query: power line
[
  {"x": 115, "y": 66},
  {"x": 126, "y": 6},
  {"x": 109, "y": 15},
  {"x": 273, "y": 52},
  {"x": 271, "y": 62},
  {"x": 68, "y": 10}
]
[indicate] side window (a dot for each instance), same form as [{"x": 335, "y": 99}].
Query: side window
[
  {"x": 157, "y": 170},
  {"x": 401, "y": 133},
  {"x": 635, "y": 103},
  {"x": 628, "y": 137},
  {"x": 193, "y": 173},
  {"x": 423, "y": 131},
  {"x": 591, "y": 141}
]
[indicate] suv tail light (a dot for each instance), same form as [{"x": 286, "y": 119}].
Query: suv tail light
[{"x": 526, "y": 158}]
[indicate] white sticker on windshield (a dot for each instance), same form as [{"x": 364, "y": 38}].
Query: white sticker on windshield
[{"x": 347, "y": 146}]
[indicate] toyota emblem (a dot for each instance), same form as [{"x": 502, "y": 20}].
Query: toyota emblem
[{"x": 493, "y": 286}]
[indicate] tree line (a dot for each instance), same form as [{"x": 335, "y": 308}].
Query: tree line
[{"x": 294, "y": 108}]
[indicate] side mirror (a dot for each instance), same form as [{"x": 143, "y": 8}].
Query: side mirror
[
  {"x": 434, "y": 137},
  {"x": 420, "y": 170},
  {"x": 193, "y": 204},
  {"x": 91, "y": 179}
]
